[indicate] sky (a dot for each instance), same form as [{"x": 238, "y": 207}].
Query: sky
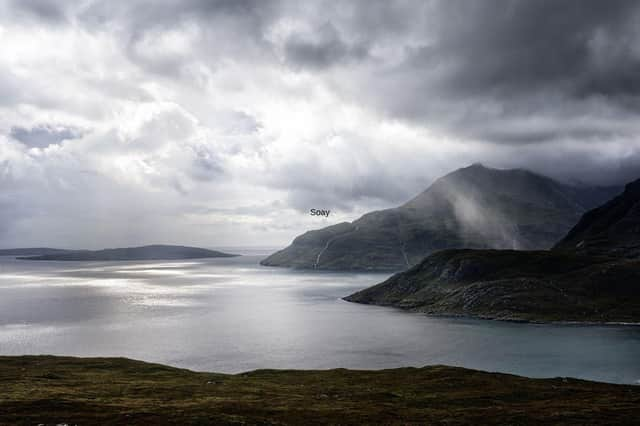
[{"x": 223, "y": 122}]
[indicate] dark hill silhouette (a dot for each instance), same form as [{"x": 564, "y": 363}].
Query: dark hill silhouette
[
  {"x": 152, "y": 252},
  {"x": 473, "y": 207}
]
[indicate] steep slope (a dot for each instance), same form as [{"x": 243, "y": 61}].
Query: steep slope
[
  {"x": 515, "y": 285},
  {"x": 612, "y": 229},
  {"x": 473, "y": 207},
  {"x": 152, "y": 252},
  {"x": 593, "y": 274}
]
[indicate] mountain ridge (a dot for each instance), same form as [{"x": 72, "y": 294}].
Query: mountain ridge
[
  {"x": 472, "y": 207},
  {"x": 612, "y": 229},
  {"x": 591, "y": 275}
]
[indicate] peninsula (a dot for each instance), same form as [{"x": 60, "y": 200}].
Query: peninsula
[{"x": 591, "y": 275}]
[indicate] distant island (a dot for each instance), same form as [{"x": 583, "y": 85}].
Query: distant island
[
  {"x": 473, "y": 207},
  {"x": 31, "y": 251},
  {"x": 150, "y": 252},
  {"x": 591, "y": 275}
]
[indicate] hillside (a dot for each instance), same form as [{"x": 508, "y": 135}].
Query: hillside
[
  {"x": 152, "y": 252},
  {"x": 612, "y": 229},
  {"x": 473, "y": 207},
  {"x": 515, "y": 285},
  {"x": 62, "y": 390},
  {"x": 592, "y": 274}
]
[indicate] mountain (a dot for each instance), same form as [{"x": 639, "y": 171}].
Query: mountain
[
  {"x": 612, "y": 230},
  {"x": 31, "y": 251},
  {"x": 592, "y": 274},
  {"x": 152, "y": 252},
  {"x": 473, "y": 207},
  {"x": 514, "y": 285}
]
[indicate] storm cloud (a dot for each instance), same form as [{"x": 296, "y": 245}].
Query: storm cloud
[{"x": 220, "y": 122}]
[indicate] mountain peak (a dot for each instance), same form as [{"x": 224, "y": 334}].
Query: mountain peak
[
  {"x": 477, "y": 165},
  {"x": 480, "y": 182},
  {"x": 472, "y": 207},
  {"x": 481, "y": 167}
]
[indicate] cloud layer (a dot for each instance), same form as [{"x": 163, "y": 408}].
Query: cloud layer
[{"x": 223, "y": 122}]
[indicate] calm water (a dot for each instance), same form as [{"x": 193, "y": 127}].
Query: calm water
[{"x": 232, "y": 315}]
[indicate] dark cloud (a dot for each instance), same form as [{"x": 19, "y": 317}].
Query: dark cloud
[
  {"x": 42, "y": 136},
  {"x": 469, "y": 67},
  {"x": 49, "y": 11},
  {"x": 322, "y": 50},
  {"x": 147, "y": 14},
  {"x": 521, "y": 45}
]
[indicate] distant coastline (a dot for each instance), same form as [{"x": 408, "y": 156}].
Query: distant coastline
[{"x": 150, "y": 252}]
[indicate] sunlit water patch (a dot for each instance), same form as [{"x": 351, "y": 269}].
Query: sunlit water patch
[{"x": 232, "y": 315}]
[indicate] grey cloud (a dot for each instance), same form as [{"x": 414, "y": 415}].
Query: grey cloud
[
  {"x": 241, "y": 123},
  {"x": 469, "y": 67},
  {"x": 308, "y": 185},
  {"x": 206, "y": 164},
  {"x": 325, "y": 49},
  {"x": 521, "y": 45},
  {"x": 226, "y": 28},
  {"x": 165, "y": 13},
  {"x": 49, "y": 11},
  {"x": 44, "y": 135},
  {"x": 252, "y": 209}
]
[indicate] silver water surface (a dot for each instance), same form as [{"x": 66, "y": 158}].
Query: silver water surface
[{"x": 232, "y": 315}]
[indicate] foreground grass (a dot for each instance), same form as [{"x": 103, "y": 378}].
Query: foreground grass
[{"x": 54, "y": 390}]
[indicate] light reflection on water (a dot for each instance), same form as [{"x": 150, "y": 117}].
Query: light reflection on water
[{"x": 232, "y": 315}]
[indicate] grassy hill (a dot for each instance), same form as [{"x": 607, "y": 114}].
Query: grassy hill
[
  {"x": 55, "y": 390},
  {"x": 515, "y": 285},
  {"x": 593, "y": 274}
]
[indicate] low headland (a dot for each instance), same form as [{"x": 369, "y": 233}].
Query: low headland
[{"x": 150, "y": 252}]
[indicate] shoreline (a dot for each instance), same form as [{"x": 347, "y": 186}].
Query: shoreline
[
  {"x": 530, "y": 321},
  {"x": 511, "y": 320}
]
